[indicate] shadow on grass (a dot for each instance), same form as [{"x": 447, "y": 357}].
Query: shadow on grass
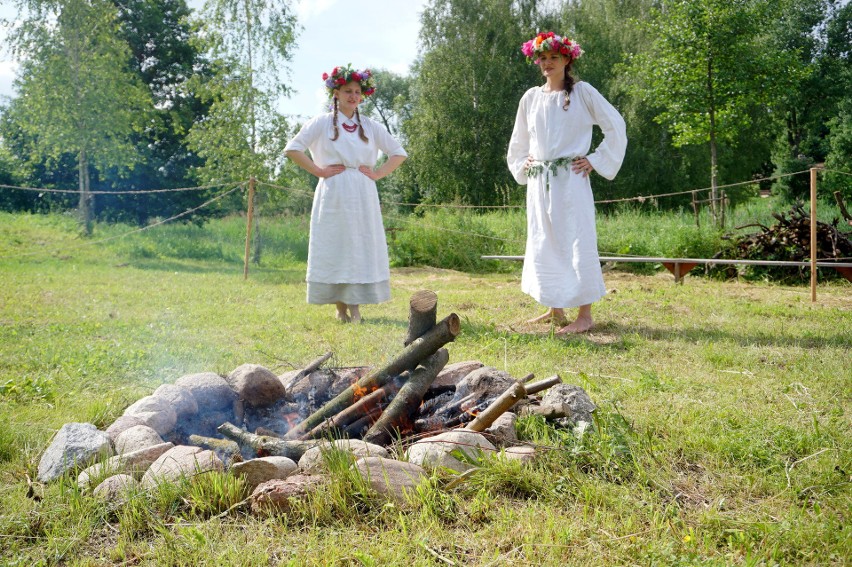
[{"x": 261, "y": 274}]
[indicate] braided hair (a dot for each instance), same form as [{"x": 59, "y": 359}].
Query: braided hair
[
  {"x": 361, "y": 133},
  {"x": 569, "y": 83}
]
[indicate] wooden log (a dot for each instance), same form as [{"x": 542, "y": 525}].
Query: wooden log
[
  {"x": 224, "y": 446},
  {"x": 365, "y": 405},
  {"x": 439, "y": 335},
  {"x": 422, "y": 314},
  {"x": 266, "y": 446},
  {"x": 542, "y": 385},
  {"x": 358, "y": 428},
  {"x": 405, "y": 403},
  {"x": 308, "y": 369},
  {"x": 550, "y": 411},
  {"x": 497, "y": 408}
]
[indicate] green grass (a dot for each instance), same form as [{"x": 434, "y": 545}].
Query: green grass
[{"x": 722, "y": 435}]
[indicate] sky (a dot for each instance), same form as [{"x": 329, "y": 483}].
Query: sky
[{"x": 377, "y": 34}]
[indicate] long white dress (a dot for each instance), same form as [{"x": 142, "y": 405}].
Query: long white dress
[
  {"x": 561, "y": 263},
  {"x": 347, "y": 249}
]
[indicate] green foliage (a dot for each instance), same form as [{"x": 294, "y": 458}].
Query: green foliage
[{"x": 469, "y": 82}]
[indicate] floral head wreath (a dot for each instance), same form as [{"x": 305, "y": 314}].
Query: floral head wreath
[
  {"x": 549, "y": 41},
  {"x": 346, "y": 74}
]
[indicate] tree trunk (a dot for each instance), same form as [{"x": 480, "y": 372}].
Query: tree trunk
[
  {"x": 85, "y": 203},
  {"x": 422, "y": 314},
  {"x": 439, "y": 335},
  {"x": 405, "y": 403}
]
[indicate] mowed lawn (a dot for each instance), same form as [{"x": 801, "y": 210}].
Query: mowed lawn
[{"x": 724, "y": 436}]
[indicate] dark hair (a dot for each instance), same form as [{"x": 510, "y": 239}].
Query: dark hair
[
  {"x": 361, "y": 133},
  {"x": 569, "y": 83}
]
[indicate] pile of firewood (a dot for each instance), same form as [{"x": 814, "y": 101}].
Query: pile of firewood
[{"x": 789, "y": 239}]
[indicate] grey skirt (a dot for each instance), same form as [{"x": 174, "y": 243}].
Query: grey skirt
[{"x": 349, "y": 293}]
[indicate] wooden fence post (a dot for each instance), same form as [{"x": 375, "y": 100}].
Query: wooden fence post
[
  {"x": 250, "y": 216},
  {"x": 813, "y": 234}
]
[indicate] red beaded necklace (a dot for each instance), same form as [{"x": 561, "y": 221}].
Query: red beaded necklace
[{"x": 350, "y": 127}]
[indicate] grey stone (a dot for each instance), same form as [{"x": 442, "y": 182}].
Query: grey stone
[
  {"x": 135, "y": 463},
  {"x": 123, "y": 423},
  {"x": 434, "y": 452},
  {"x": 502, "y": 432},
  {"x": 575, "y": 398},
  {"x": 256, "y": 385},
  {"x": 452, "y": 374},
  {"x": 257, "y": 471},
  {"x": 74, "y": 445},
  {"x": 523, "y": 453},
  {"x": 181, "y": 461},
  {"x": 114, "y": 488},
  {"x": 312, "y": 459},
  {"x": 486, "y": 383},
  {"x": 156, "y": 413},
  {"x": 389, "y": 477},
  {"x": 179, "y": 398},
  {"x": 210, "y": 391},
  {"x": 135, "y": 438}
]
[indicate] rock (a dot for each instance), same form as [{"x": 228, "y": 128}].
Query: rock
[
  {"x": 74, "y": 445},
  {"x": 486, "y": 383},
  {"x": 279, "y": 495},
  {"x": 135, "y": 438},
  {"x": 313, "y": 389},
  {"x": 389, "y": 477},
  {"x": 502, "y": 432},
  {"x": 256, "y": 385},
  {"x": 154, "y": 412},
  {"x": 434, "y": 452},
  {"x": 523, "y": 453},
  {"x": 179, "y": 398},
  {"x": 113, "y": 488},
  {"x": 312, "y": 459},
  {"x": 122, "y": 423},
  {"x": 575, "y": 398},
  {"x": 258, "y": 471},
  {"x": 135, "y": 464},
  {"x": 452, "y": 374},
  {"x": 211, "y": 391},
  {"x": 178, "y": 462}
]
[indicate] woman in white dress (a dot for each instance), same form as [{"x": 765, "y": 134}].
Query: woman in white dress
[
  {"x": 347, "y": 250},
  {"x": 549, "y": 152}
]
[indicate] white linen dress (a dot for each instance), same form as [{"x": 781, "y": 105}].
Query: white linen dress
[
  {"x": 347, "y": 249},
  {"x": 561, "y": 264}
]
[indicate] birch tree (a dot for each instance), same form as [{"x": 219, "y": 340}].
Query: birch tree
[{"x": 75, "y": 93}]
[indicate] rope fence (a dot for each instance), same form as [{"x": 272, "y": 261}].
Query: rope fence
[{"x": 678, "y": 263}]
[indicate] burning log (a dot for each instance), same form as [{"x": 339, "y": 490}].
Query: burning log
[
  {"x": 422, "y": 314},
  {"x": 405, "y": 403},
  {"x": 497, "y": 408},
  {"x": 379, "y": 398},
  {"x": 358, "y": 428},
  {"x": 436, "y": 337},
  {"x": 266, "y": 446}
]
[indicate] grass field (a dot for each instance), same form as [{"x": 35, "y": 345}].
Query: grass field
[{"x": 723, "y": 434}]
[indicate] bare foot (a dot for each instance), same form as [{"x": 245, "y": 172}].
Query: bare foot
[
  {"x": 356, "y": 313},
  {"x": 581, "y": 325},
  {"x": 343, "y": 317},
  {"x": 552, "y": 316}
]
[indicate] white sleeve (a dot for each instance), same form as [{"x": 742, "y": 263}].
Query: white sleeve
[
  {"x": 608, "y": 156},
  {"x": 519, "y": 144},
  {"x": 307, "y": 135},
  {"x": 389, "y": 145}
]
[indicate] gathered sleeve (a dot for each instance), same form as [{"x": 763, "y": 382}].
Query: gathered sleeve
[
  {"x": 608, "y": 156},
  {"x": 385, "y": 141},
  {"x": 307, "y": 135},
  {"x": 519, "y": 144}
]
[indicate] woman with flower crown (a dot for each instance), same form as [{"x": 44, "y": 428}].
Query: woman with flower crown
[
  {"x": 549, "y": 152},
  {"x": 347, "y": 251}
]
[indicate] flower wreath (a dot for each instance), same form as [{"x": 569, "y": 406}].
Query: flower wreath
[
  {"x": 346, "y": 74},
  {"x": 549, "y": 41}
]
